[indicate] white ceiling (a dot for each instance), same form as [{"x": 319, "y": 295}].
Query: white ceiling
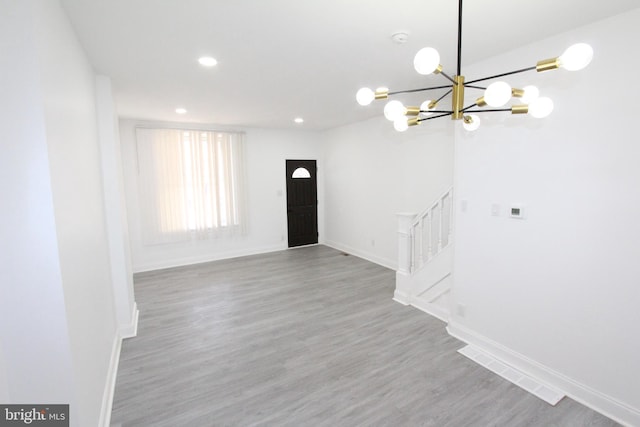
[{"x": 280, "y": 59}]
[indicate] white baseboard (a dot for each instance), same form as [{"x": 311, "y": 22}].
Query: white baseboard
[
  {"x": 525, "y": 382},
  {"x": 110, "y": 385},
  {"x": 401, "y": 297},
  {"x": 128, "y": 331},
  {"x": 131, "y": 330},
  {"x": 431, "y": 309},
  {"x": 600, "y": 402},
  {"x": 180, "y": 262},
  {"x": 362, "y": 254}
]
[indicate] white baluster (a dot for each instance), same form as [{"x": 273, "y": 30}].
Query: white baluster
[
  {"x": 405, "y": 243},
  {"x": 412, "y": 250},
  {"x": 450, "y": 230},
  {"x": 430, "y": 251},
  {"x": 419, "y": 231},
  {"x": 441, "y": 209}
]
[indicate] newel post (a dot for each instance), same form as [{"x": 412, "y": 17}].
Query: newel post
[{"x": 404, "y": 241}]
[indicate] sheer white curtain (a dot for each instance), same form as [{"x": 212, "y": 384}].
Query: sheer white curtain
[{"x": 190, "y": 184}]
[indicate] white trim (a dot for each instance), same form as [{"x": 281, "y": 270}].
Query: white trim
[
  {"x": 600, "y": 402},
  {"x": 302, "y": 246},
  {"x": 401, "y": 297},
  {"x": 130, "y": 331},
  {"x": 362, "y": 254},
  {"x": 180, "y": 262},
  {"x": 525, "y": 382},
  {"x": 110, "y": 385},
  {"x": 436, "y": 283},
  {"x": 431, "y": 309}
]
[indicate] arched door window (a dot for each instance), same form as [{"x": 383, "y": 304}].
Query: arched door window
[{"x": 301, "y": 173}]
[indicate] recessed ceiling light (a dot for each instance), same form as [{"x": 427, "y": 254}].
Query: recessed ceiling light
[
  {"x": 298, "y": 120},
  {"x": 207, "y": 61},
  {"x": 181, "y": 111}
]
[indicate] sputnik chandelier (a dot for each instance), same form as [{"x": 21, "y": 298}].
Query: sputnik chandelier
[{"x": 496, "y": 95}]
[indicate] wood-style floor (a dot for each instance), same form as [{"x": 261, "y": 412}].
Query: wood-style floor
[{"x": 305, "y": 337}]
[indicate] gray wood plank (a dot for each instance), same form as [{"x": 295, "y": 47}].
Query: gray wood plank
[{"x": 305, "y": 337}]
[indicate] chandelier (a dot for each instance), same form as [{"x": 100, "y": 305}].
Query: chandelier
[{"x": 495, "y": 98}]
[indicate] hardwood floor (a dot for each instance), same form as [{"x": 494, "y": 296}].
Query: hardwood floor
[{"x": 305, "y": 337}]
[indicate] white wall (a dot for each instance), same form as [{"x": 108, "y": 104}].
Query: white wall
[
  {"x": 68, "y": 84},
  {"x": 4, "y": 382},
  {"x": 33, "y": 331},
  {"x": 58, "y": 320},
  {"x": 558, "y": 293},
  {"x": 374, "y": 172},
  {"x": 265, "y": 155},
  {"x": 115, "y": 209}
]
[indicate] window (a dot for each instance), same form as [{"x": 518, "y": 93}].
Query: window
[
  {"x": 190, "y": 184},
  {"x": 301, "y": 173}
]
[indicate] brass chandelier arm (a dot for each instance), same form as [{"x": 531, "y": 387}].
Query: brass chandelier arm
[
  {"x": 502, "y": 75},
  {"x": 436, "y": 111},
  {"x": 397, "y": 92},
  {"x": 493, "y": 110}
]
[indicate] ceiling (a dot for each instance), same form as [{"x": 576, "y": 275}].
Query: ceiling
[{"x": 281, "y": 59}]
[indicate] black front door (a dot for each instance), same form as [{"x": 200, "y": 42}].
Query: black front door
[{"x": 302, "y": 202}]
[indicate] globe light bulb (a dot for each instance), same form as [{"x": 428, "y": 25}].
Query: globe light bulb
[
  {"x": 401, "y": 124},
  {"x": 426, "y": 60},
  {"x": 530, "y": 93},
  {"x": 541, "y": 107},
  {"x": 497, "y": 94},
  {"x": 471, "y": 122},
  {"x": 425, "y": 106},
  {"x": 365, "y": 96},
  {"x": 394, "y": 110},
  {"x": 576, "y": 57}
]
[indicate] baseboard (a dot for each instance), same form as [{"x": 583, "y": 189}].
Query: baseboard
[
  {"x": 431, "y": 309},
  {"x": 131, "y": 330},
  {"x": 600, "y": 402},
  {"x": 181, "y": 262},
  {"x": 362, "y": 254},
  {"x": 401, "y": 297},
  {"x": 525, "y": 382},
  {"x": 110, "y": 385},
  {"x": 128, "y": 331}
]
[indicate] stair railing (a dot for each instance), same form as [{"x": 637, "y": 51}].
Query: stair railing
[{"x": 431, "y": 231}]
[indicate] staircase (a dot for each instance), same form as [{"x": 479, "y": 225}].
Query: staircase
[{"x": 425, "y": 258}]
